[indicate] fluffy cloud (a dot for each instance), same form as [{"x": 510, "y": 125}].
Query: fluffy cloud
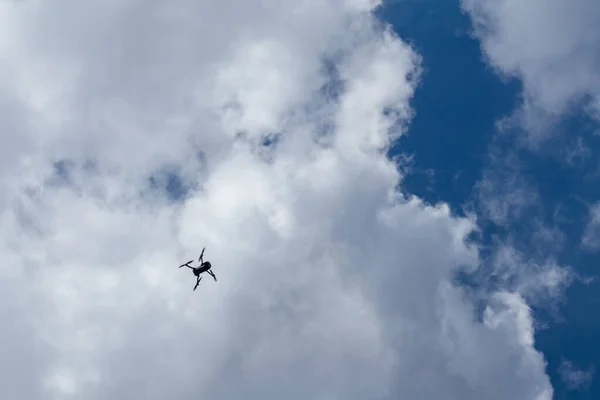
[
  {"x": 551, "y": 45},
  {"x": 330, "y": 283}
]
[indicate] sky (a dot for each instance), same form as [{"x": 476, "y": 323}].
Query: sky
[{"x": 398, "y": 199}]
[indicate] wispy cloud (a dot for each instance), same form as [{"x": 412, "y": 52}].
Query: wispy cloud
[
  {"x": 590, "y": 239},
  {"x": 575, "y": 378}
]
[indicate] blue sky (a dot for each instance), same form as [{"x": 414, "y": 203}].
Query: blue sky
[{"x": 457, "y": 105}]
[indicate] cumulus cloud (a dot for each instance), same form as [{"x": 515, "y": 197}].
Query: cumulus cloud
[
  {"x": 275, "y": 117},
  {"x": 552, "y": 46}
]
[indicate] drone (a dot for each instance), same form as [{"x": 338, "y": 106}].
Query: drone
[{"x": 204, "y": 266}]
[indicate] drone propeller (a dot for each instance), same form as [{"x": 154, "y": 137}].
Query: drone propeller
[
  {"x": 201, "y": 254},
  {"x": 186, "y": 264}
]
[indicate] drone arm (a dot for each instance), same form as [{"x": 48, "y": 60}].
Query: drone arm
[
  {"x": 197, "y": 282},
  {"x": 187, "y": 264},
  {"x": 212, "y": 274}
]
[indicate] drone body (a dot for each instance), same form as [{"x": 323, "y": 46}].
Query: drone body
[{"x": 205, "y": 266}]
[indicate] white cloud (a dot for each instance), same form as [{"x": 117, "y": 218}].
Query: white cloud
[
  {"x": 331, "y": 285},
  {"x": 551, "y": 45},
  {"x": 540, "y": 282}
]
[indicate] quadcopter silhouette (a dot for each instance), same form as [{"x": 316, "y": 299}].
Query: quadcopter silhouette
[{"x": 204, "y": 266}]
